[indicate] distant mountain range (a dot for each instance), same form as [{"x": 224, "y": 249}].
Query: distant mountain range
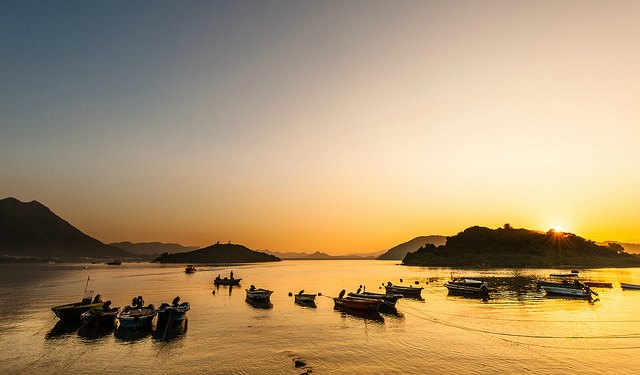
[
  {"x": 218, "y": 253},
  {"x": 398, "y": 252},
  {"x": 150, "y": 248},
  {"x": 511, "y": 247},
  {"x": 633, "y": 248},
  {"x": 319, "y": 255},
  {"x": 31, "y": 230}
]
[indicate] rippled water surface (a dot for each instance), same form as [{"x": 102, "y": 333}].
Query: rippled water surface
[{"x": 517, "y": 330}]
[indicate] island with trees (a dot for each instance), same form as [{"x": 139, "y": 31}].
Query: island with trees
[
  {"x": 510, "y": 247},
  {"x": 218, "y": 253}
]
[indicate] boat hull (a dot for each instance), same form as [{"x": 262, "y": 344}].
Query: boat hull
[
  {"x": 567, "y": 292},
  {"x": 173, "y": 314},
  {"x": 96, "y": 321},
  {"x": 137, "y": 318},
  {"x": 353, "y": 303},
  {"x": 258, "y": 295},
  {"x": 630, "y": 286},
  {"x": 226, "y": 281},
  {"x": 70, "y": 313},
  {"x": 305, "y": 299}
]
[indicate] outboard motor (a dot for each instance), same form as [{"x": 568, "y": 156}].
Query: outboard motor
[
  {"x": 175, "y": 301},
  {"x": 97, "y": 299},
  {"x": 106, "y": 305},
  {"x": 300, "y": 292},
  {"x": 342, "y": 292},
  {"x": 358, "y": 291}
]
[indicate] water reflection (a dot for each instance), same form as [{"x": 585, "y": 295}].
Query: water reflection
[
  {"x": 61, "y": 329},
  {"x": 362, "y": 314},
  {"x": 131, "y": 334},
  {"x": 171, "y": 330}
]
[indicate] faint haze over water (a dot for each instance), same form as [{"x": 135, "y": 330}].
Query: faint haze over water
[{"x": 322, "y": 125}]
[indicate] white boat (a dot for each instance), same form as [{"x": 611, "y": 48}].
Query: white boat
[
  {"x": 258, "y": 294},
  {"x": 630, "y": 286}
]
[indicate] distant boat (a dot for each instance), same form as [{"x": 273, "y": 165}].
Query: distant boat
[
  {"x": 190, "y": 269},
  {"x": 597, "y": 284},
  {"x": 575, "y": 284},
  {"x": 630, "y": 286},
  {"x": 137, "y": 316},
  {"x": 572, "y": 274},
  {"x": 225, "y": 281},
  {"x": 407, "y": 292},
  {"x": 114, "y": 263},
  {"x": 469, "y": 287},
  {"x": 99, "y": 319},
  {"x": 305, "y": 299},
  {"x": 258, "y": 295},
  {"x": 174, "y": 312}
]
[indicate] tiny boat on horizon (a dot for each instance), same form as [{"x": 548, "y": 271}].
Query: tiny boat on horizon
[
  {"x": 137, "y": 316},
  {"x": 114, "y": 263},
  {"x": 190, "y": 269},
  {"x": 174, "y": 312},
  {"x": 630, "y": 286},
  {"x": 405, "y": 291}
]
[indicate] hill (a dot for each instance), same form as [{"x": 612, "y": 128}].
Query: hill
[
  {"x": 149, "y": 248},
  {"x": 218, "y": 253},
  {"x": 319, "y": 256},
  {"x": 398, "y": 252},
  {"x": 633, "y": 248},
  {"x": 509, "y": 247},
  {"x": 31, "y": 230}
]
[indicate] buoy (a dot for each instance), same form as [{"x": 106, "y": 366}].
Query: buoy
[
  {"x": 319, "y": 293},
  {"x": 214, "y": 292},
  {"x": 290, "y": 294},
  {"x": 417, "y": 282},
  {"x": 400, "y": 280}
]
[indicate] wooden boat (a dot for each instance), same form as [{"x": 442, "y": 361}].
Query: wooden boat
[
  {"x": 575, "y": 284},
  {"x": 137, "y": 316},
  {"x": 71, "y": 312},
  {"x": 305, "y": 299},
  {"x": 355, "y": 303},
  {"x": 584, "y": 292},
  {"x": 174, "y": 312},
  {"x": 97, "y": 320},
  {"x": 630, "y": 286},
  {"x": 468, "y": 287},
  {"x": 407, "y": 292},
  {"x": 387, "y": 298},
  {"x": 190, "y": 269},
  {"x": 114, "y": 263},
  {"x": 597, "y": 284},
  {"x": 225, "y": 281},
  {"x": 258, "y": 295}
]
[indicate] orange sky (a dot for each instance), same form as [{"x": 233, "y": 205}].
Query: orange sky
[{"x": 339, "y": 127}]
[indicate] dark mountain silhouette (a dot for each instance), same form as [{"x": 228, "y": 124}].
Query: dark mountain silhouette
[
  {"x": 149, "y": 248},
  {"x": 398, "y": 252},
  {"x": 31, "y": 230},
  {"x": 218, "y": 253},
  {"x": 319, "y": 255},
  {"x": 510, "y": 247},
  {"x": 633, "y": 248}
]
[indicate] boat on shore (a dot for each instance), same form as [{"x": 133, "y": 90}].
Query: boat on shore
[
  {"x": 97, "y": 320},
  {"x": 137, "y": 316},
  {"x": 258, "y": 295},
  {"x": 190, "y": 269},
  {"x": 305, "y": 299},
  {"x": 630, "y": 286},
  {"x": 468, "y": 287},
  {"x": 405, "y": 291},
  {"x": 173, "y": 313}
]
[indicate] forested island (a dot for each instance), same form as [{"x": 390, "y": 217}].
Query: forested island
[
  {"x": 218, "y": 253},
  {"x": 510, "y": 247}
]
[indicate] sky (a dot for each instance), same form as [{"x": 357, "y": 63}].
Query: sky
[{"x": 322, "y": 125}]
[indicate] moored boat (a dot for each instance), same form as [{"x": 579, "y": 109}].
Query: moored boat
[
  {"x": 572, "y": 274},
  {"x": 190, "y": 269},
  {"x": 114, "y": 263},
  {"x": 356, "y": 303},
  {"x": 70, "y": 313},
  {"x": 137, "y": 316},
  {"x": 174, "y": 312},
  {"x": 576, "y": 289},
  {"x": 226, "y": 281},
  {"x": 258, "y": 295},
  {"x": 598, "y": 284},
  {"x": 575, "y": 284},
  {"x": 305, "y": 299},
  {"x": 99, "y": 319},
  {"x": 469, "y": 287},
  {"x": 630, "y": 286},
  {"x": 405, "y": 291}
]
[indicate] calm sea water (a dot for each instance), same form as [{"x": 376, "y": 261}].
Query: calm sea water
[{"x": 518, "y": 330}]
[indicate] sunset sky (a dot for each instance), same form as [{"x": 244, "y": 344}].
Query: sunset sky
[{"x": 322, "y": 125}]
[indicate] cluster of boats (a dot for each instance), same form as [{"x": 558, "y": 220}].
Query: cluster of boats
[{"x": 92, "y": 315}]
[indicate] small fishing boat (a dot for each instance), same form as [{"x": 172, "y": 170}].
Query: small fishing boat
[
  {"x": 258, "y": 295},
  {"x": 597, "y": 284},
  {"x": 226, "y": 281},
  {"x": 190, "y": 269},
  {"x": 407, "y": 292},
  {"x": 99, "y": 319},
  {"x": 174, "y": 312},
  {"x": 469, "y": 287},
  {"x": 137, "y": 316},
  {"x": 578, "y": 290},
  {"x": 356, "y": 303},
  {"x": 70, "y": 313},
  {"x": 114, "y": 263},
  {"x": 630, "y": 286},
  {"x": 572, "y": 274},
  {"x": 305, "y": 299},
  {"x": 575, "y": 284},
  {"x": 387, "y": 298}
]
